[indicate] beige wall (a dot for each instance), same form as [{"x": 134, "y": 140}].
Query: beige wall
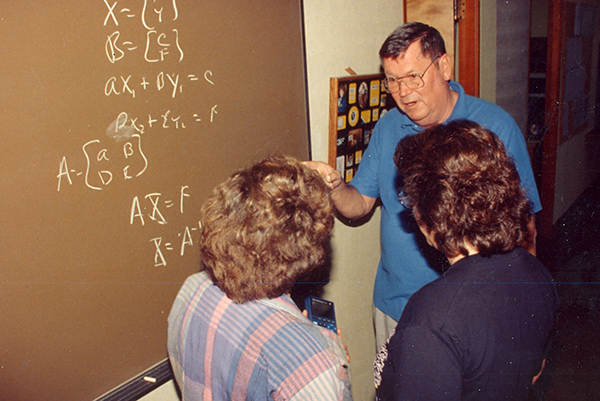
[
  {"x": 487, "y": 51},
  {"x": 340, "y": 34}
]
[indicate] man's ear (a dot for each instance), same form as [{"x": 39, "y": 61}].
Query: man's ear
[{"x": 446, "y": 66}]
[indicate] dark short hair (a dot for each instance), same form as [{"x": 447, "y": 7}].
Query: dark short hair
[
  {"x": 264, "y": 227},
  {"x": 432, "y": 43},
  {"x": 463, "y": 187}
]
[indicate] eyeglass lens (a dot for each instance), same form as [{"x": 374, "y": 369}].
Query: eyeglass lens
[{"x": 414, "y": 81}]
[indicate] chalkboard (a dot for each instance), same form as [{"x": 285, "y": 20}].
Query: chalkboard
[{"x": 117, "y": 120}]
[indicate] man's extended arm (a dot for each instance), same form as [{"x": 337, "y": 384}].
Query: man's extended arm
[{"x": 347, "y": 200}]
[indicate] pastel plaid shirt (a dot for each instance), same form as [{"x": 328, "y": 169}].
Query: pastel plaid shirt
[{"x": 259, "y": 350}]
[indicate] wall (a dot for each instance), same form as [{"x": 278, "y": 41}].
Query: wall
[
  {"x": 512, "y": 59},
  {"x": 577, "y": 162},
  {"x": 487, "y": 51}
]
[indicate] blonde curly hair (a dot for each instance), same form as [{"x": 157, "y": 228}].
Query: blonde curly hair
[{"x": 264, "y": 227}]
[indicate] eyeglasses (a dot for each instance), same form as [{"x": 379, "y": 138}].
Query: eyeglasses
[{"x": 412, "y": 81}]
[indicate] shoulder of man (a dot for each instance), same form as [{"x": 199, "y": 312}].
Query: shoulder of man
[
  {"x": 480, "y": 110},
  {"x": 487, "y": 112}
]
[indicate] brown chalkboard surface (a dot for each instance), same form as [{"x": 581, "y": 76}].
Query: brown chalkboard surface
[{"x": 117, "y": 119}]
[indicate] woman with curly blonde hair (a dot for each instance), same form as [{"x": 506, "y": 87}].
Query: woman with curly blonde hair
[
  {"x": 264, "y": 227},
  {"x": 234, "y": 331}
]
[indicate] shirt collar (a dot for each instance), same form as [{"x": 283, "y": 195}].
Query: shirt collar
[
  {"x": 284, "y": 303},
  {"x": 460, "y": 106}
]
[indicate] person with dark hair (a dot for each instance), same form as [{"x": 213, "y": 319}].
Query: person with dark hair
[
  {"x": 481, "y": 330},
  {"x": 418, "y": 72},
  {"x": 234, "y": 331}
]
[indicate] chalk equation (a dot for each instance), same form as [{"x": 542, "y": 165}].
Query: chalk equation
[
  {"x": 156, "y": 204},
  {"x": 97, "y": 172},
  {"x": 149, "y": 14},
  {"x": 152, "y": 208},
  {"x": 120, "y": 153},
  {"x": 171, "y": 83},
  {"x": 158, "y": 45},
  {"x": 160, "y": 248},
  {"x": 125, "y": 125}
]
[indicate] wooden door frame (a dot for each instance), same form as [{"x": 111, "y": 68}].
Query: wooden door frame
[
  {"x": 552, "y": 114},
  {"x": 468, "y": 37}
]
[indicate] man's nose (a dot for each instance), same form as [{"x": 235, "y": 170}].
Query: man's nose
[{"x": 403, "y": 89}]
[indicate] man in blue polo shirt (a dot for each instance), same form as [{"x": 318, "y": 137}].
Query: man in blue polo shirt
[{"x": 418, "y": 72}]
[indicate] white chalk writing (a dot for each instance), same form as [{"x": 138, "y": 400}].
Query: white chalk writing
[{"x": 146, "y": 34}]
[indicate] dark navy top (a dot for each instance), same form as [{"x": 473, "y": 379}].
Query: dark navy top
[{"x": 478, "y": 332}]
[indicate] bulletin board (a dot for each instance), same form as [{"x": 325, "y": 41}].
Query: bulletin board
[
  {"x": 356, "y": 103},
  {"x": 118, "y": 118}
]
